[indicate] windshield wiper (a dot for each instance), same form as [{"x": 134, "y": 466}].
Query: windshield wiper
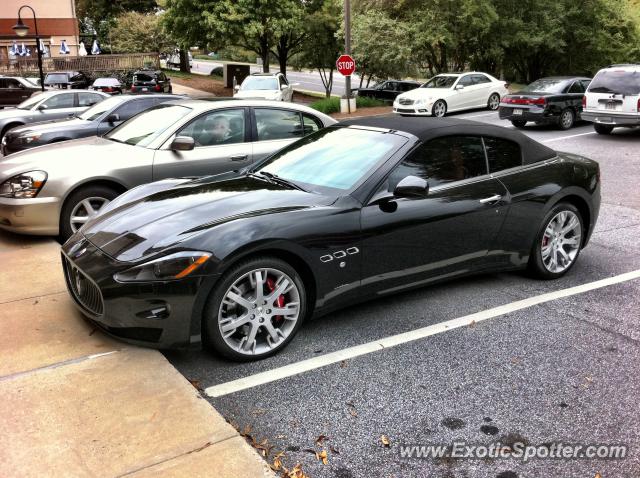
[{"x": 277, "y": 179}]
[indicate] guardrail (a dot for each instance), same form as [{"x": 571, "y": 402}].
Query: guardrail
[{"x": 89, "y": 63}]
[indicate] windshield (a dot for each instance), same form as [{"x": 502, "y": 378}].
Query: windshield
[
  {"x": 31, "y": 101},
  {"x": 259, "y": 83},
  {"x": 336, "y": 158},
  {"x": 616, "y": 81},
  {"x": 99, "y": 109},
  {"x": 440, "y": 82},
  {"x": 142, "y": 129},
  {"x": 546, "y": 85},
  {"x": 56, "y": 78}
]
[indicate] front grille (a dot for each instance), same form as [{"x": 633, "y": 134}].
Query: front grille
[
  {"x": 405, "y": 101},
  {"x": 82, "y": 289},
  {"x": 405, "y": 110}
]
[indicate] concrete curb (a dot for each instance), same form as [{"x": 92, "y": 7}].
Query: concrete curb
[{"x": 77, "y": 403}]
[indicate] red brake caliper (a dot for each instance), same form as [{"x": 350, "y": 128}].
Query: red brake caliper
[{"x": 271, "y": 285}]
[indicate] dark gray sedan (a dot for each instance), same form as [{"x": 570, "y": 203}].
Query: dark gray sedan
[
  {"x": 95, "y": 121},
  {"x": 48, "y": 105}
]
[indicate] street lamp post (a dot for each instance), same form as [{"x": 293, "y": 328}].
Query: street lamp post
[{"x": 21, "y": 30}]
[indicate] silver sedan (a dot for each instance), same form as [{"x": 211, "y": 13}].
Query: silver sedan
[{"x": 55, "y": 189}]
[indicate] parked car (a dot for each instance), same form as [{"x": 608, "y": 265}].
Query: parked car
[
  {"x": 267, "y": 86},
  {"x": 67, "y": 79},
  {"x": 553, "y": 100},
  {"x": 111, "y": 86},
  {"x": 56, "y": 188},
  {"x": 151, "y": 81},
  {"x": 366, "y": 208},
  {"x": 388, "y": 90},
  {"x": 95, "y": 121},
  {"x": 14, "y": 90},
  {"x": 48, "y": 105},
  {"x": 613, "y": 98},
  {"x": 173, "y": 59},
  {"x": 451, "y": 92}
]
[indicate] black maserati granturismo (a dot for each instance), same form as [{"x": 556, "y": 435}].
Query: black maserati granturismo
[{"x": 354, "y": 211}]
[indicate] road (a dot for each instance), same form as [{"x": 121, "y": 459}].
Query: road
[
  {"x": 306, "y": 80},
  {"x": 561, "y": 370}
]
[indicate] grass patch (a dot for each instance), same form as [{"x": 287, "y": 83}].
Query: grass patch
[{"x": 332, "y": 105}]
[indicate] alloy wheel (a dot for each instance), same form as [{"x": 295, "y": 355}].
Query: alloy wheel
[
  {"x": 566, "y": 119},
  {"x": 494, "y": 101},
  {"x": 439, "y": 109},
  {"x": 561, "y": 241},
  {"x": 85, "y": 210},
  {"x": 259, "y": 311}
]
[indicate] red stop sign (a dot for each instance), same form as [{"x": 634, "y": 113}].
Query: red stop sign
[{"x": 346, "y": 65}]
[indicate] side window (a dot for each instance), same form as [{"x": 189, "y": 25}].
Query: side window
[
  {"x": 576, "y": 87},
  {"x": 311, "y": 124},
  {"x": 443, "y": 160},
  {"x": 466, "y": 80},
  {"x": 479, "y": 79},
  {"x": 277, "y": 124},
  {"x": 502, "y": 154},
  {"x": 132, "y": 108},
  {"x": 88, "y": 99},
  {"x": 585, "y": 84},
  {"x": 3, "y": 83},
  {"x": 64, "y": 100},
  {"x": 10, "y": 83},
  {"x": 216, "y": 127},
  {"x": 392, "y": 85}
]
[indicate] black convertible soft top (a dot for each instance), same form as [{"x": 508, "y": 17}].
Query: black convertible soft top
[{"x": 426, "y": 128}]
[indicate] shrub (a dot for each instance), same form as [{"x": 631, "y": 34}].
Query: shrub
[{"x": 332, "y": 105}]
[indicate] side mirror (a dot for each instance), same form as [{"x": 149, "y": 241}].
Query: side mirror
[
  {"x": 183, "y": 143},
  {"x": 112, "y": 118},
  {"x": 412, "y": 187},
  {"x": 283, "y": 87},
  {"x": 42, "y": 107},
  {"x": 459, "y": 87}
]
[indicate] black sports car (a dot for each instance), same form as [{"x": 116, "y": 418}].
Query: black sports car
[
  {"x": 554, "y": 100},
  {"x": 365, "y": 208}
]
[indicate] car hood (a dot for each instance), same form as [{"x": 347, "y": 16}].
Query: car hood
[
  {"x": 13, "y": 113},
  {"x": 54, "y": 126},
  {"x": 65, "y": 154},
  {"x": 162, "y": 219},
  {"x": 425, "y": 93}
]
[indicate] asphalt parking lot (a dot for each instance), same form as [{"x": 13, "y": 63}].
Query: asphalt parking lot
[{"x": 562, "y": 370}]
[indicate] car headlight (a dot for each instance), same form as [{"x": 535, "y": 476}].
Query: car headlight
[
  {"x": 25, "y": 185},
  {"x": 174, "y": 266},
  {"x": 29, "y": 138}
]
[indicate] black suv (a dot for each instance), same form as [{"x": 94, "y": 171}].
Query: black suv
[
  {"x": 150, "y": 81},
  {"x": 14, "y": 91},
  {"x": 67, "y": 79}
]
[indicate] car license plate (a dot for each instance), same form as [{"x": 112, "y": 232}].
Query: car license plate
[
  {"x": 610, "y": 106},
  {"x": 517, "y": 112},
  {"x": 145, "y": 89}
]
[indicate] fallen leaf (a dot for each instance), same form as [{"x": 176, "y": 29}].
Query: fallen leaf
[
  {"x": 385, "y": 440},
  {"x": 472, "y": 323},
  {"x": 320, "y": 439},
  {"x": 352, "y": 409},
  {"x": 277, "y": 463},
  {"x": 258, "y": 411},
  {"x": 295, "y": 472},
  {"x": 598, "y": 475},
  {"x": 343, "y": 364},
  {"x": 322, "y": 456},
  {"x": 196, "y": 384},
  {"x": 334, "y": 450}
]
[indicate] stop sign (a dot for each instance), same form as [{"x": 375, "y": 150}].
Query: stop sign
[{"x": 346, "y": 65}]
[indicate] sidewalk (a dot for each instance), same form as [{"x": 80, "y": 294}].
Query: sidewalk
[{"x": 74, "y": 402}]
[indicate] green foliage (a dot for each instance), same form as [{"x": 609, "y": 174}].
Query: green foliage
[
  {"x": 138, "y": 32},
  {"x": 100, "y": 15},
  {"x": 332, "y": 105}
]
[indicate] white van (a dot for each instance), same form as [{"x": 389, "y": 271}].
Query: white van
[{"x": 613, "y": 98}]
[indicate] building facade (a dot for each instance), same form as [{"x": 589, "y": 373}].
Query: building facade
[{"x": 57, "y": 23}]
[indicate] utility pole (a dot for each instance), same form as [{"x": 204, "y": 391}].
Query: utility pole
[{"x": 347, "y": 48}]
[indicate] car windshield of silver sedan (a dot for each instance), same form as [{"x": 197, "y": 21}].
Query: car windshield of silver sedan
[
  {"x": 259, "y": 83},
  {"x": 440, "y": 82},
  {"x": 30, "y": 102},
  {"x": 334, "y": 158},
  {"x": 546, "y": 85},
  {"x": 99, "y": 109},
  {"x": 142, "y": 129}
]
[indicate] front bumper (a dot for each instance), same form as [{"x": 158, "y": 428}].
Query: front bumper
[
  {"x": 611, "y": 118},
  {"x": 416, "y": 110},
  {"x": 38, "y": 216},
  {"x": 151, "y": 314}
]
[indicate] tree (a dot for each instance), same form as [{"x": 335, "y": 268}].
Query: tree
[{"x": 138, "y": 32}]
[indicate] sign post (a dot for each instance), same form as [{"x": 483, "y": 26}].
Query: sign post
[
  {"x": 346, "y": 65},
  {"x": 347, "y": 51}
]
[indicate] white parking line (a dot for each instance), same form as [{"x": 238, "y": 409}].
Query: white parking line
[
  {"x": 567, "y": 137},
  {"x": 478, "y": 116},
  {"x": 351, "y": 352}
]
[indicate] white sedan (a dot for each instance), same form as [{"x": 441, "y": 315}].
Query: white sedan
[
  {"x": 265, "y": 86},
  {"x": 451, "y": 92}
]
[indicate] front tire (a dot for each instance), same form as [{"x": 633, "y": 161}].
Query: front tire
[
  {"x": 494, "y": 102},
  {"x": 256, "y": 310},
  {"x": 83, "y": 205},
  {"x": 558, "y": 242},
  {"x": 602, "y": 128},
  {"x": 439, "y": 109}
]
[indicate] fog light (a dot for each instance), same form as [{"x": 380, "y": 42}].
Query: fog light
[{"x": 157, "y": 313}]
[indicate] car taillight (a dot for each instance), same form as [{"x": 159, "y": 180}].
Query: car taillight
[
  {"x": 638, "y": 106},
  {"x": 157, "y": 88},
  {"x": 539, "y": 101},
  {"x": 108, "y": 89},
  {"x": 133, "y": 88},
  {"x": 584, "y": 101}
]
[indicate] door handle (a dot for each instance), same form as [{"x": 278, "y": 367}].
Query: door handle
[
  {"x": 240, "y": 157},
  {"x": 491, "y": 199}
]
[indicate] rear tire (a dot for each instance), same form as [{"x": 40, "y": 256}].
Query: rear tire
[
  {"x": 567, "y": 119},
  {"x": 602, "y": 128},
  {"x": 493, "y": 103},
  {"x": 96, "y": 197},
  {"x": 237, "y": 299},
  {"x": 518, "y": 123}
]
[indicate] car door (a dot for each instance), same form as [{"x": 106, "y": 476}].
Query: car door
[
  {"x": 58, "y": 106},
  {"x": 448, "y": 232},
  {"x": 461, "y": 97},
  {"x": 482, "y": 89},
  {"x": 221, "y": 144},
  {"x": 274, "y": 128},
  {"x": 287, "y": 90},
  {"x": 12, "y": 92},
  {"x": 576, "y": 92}
]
